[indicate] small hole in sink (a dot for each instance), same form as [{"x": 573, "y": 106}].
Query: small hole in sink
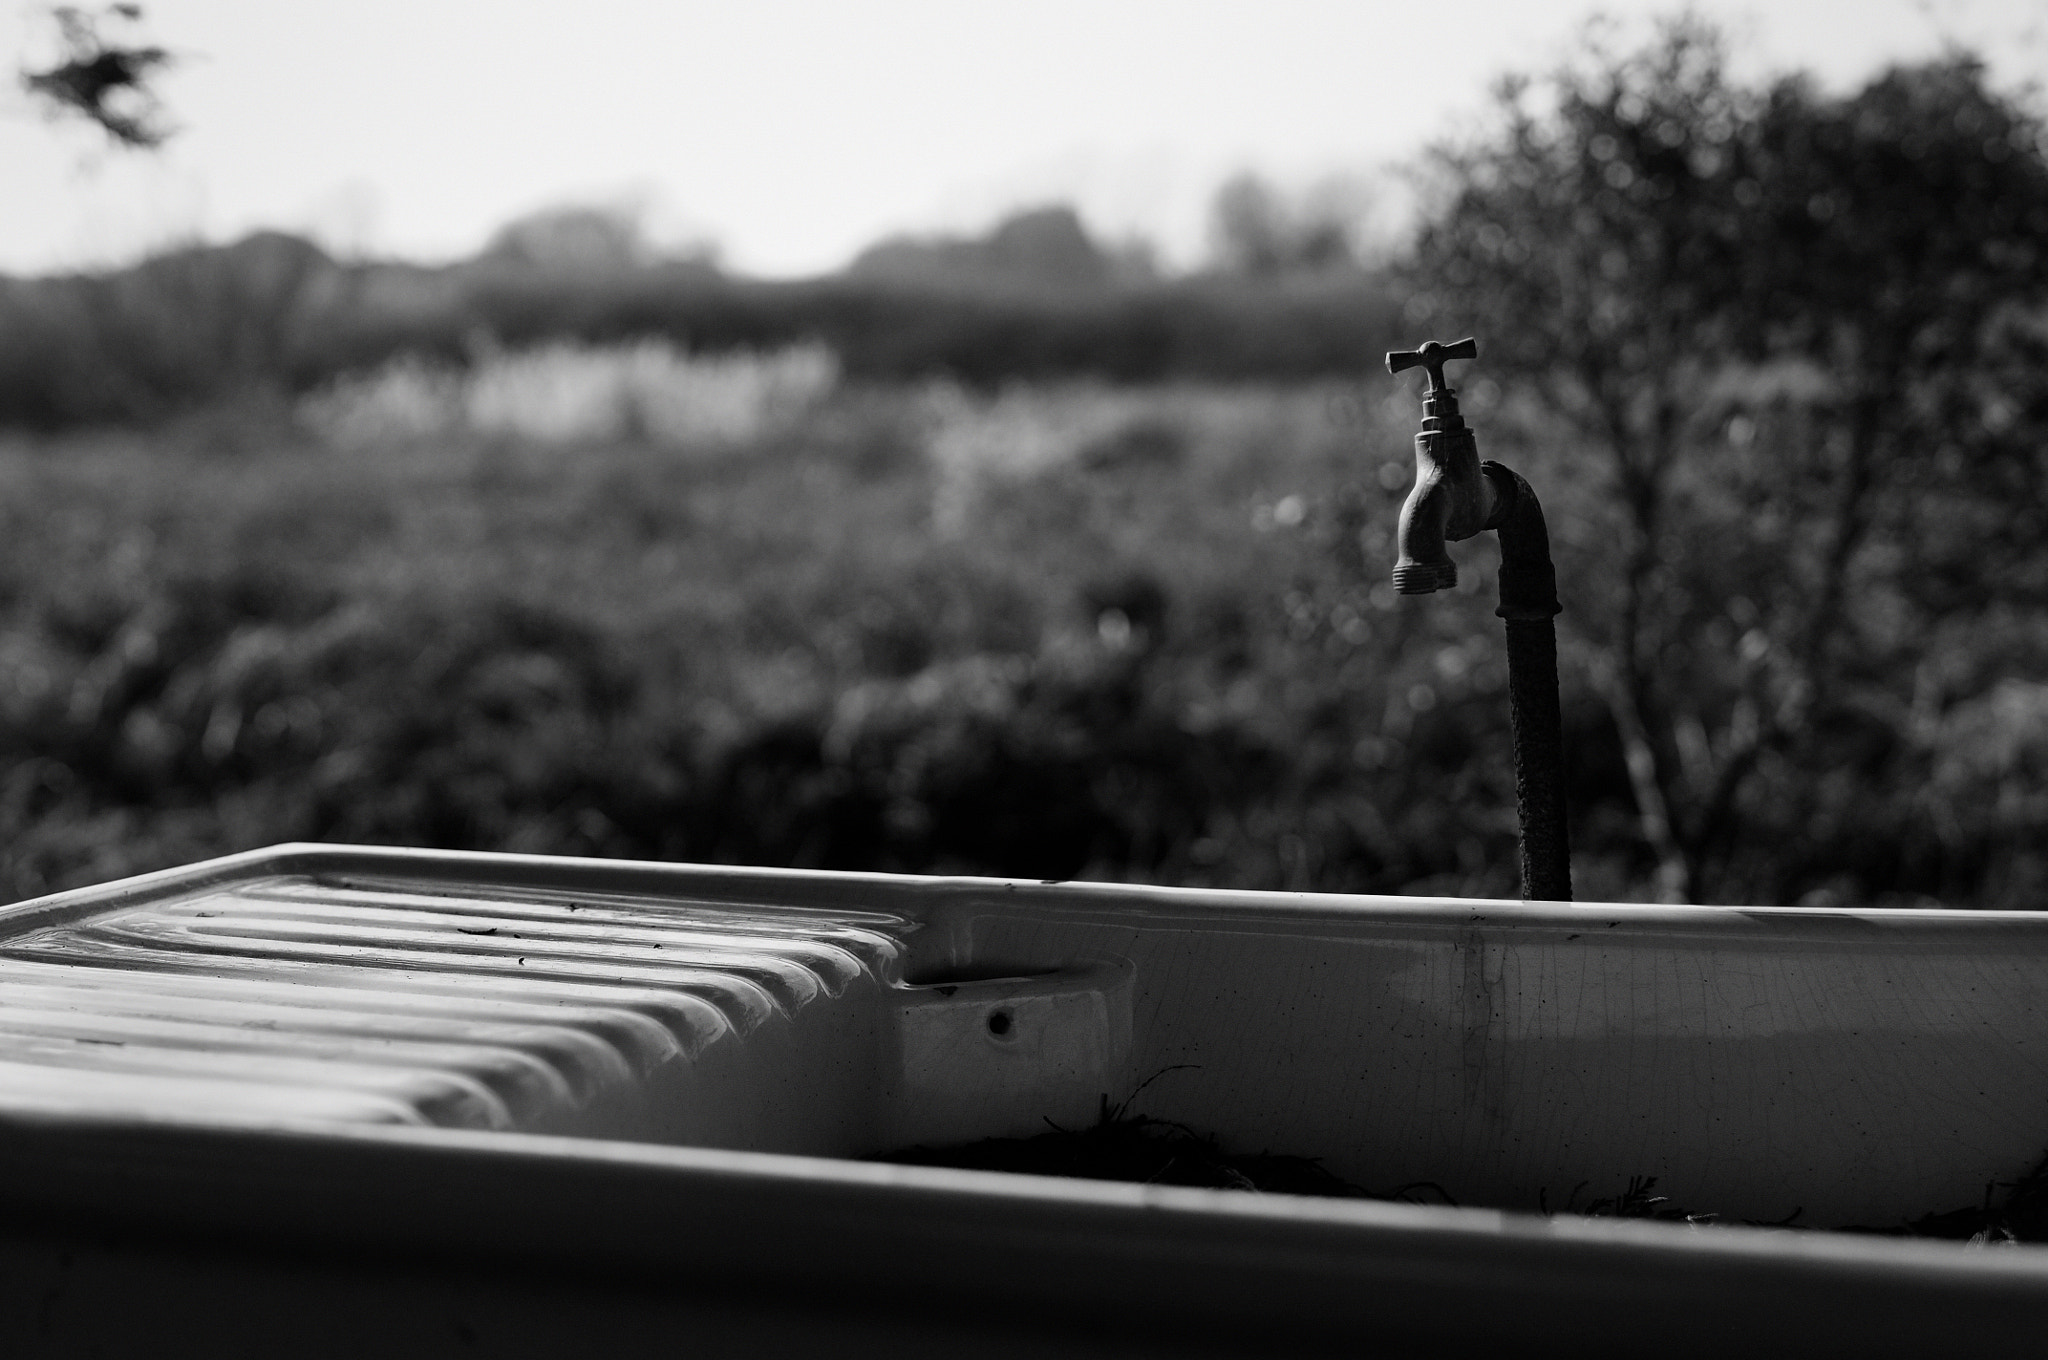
[{"x": 999, "y": 1023}]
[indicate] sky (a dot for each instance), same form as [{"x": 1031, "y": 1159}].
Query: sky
[{"x": 793, "y": 134}]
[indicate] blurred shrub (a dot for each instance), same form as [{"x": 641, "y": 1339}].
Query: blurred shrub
[
  {"x": 1038, "y": 249},
  {"x": 1123, "y": 670},
  {"x": 1255, "y": 230},
  {"x": 405, "y": 400},
  {"x": 273, "y": 313},
  {"x": 186, "y": 328},
  {"x": 1021, "y": 434},
  {"x": 567, "y": 393}
]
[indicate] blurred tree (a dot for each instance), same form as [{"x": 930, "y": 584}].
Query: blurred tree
[
  {"x": 1899, "y": 240},
  {"x": 105, "y": 81},
  {"x": 1767, "y": 312},
  {"x": 574, "y": 237},
  {"x": 1041, "y": 249},
  {"x": 1254, "y": 230}
]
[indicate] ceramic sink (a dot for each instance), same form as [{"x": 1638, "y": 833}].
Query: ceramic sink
[{"x": 383, "y": 1100}]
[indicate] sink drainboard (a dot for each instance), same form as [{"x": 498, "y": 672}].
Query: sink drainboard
[{"x": 294, "y": 999}]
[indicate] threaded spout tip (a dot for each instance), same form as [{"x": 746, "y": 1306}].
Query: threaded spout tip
[{"x": 1421, "y": 578}]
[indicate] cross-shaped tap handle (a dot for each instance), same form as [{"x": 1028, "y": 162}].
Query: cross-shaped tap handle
[{"x": 1432, "y": 357}]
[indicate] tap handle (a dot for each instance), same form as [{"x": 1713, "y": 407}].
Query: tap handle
[{"x": 1432, "y": 357}]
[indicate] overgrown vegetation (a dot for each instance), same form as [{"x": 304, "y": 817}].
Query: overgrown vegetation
[{"x": 1060, "y": 633}]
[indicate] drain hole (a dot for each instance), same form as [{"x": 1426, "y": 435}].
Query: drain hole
[{"x": 999, "y": 1023}]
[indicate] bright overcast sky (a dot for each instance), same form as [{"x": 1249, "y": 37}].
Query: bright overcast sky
[{"x": 792, "y": 134}]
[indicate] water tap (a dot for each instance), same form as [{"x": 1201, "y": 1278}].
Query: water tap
[
  {"x": 1455, "y": 497},
  {"x": 1452, "y": 499}
]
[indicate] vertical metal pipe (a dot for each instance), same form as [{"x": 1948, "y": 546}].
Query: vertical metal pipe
[
  {"x": 1539, "y": 760},
  {"x": 1528, "y": 604}
]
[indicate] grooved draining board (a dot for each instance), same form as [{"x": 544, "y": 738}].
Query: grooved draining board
[
  {"x": 291, "y": 997},
  {"x": 351, "y": 992}
]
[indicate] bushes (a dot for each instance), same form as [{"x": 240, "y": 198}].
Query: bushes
[
  {"x": 189, "y": 327},
  {"x": 564, "y": 394},
  {"x": 780, "y": 657},
  {"x": 273, "y": 313}
]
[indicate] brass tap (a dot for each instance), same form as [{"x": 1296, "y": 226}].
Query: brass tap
[{"x": 1451, "y": 499}]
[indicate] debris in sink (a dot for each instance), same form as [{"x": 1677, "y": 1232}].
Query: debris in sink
[
  {"x": 1122, "y": 1146},
  {"x": 1128, "y": 1147},
  {"x": 2019, "y": 1216}
]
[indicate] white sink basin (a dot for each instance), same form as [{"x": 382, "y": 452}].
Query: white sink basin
[{"x": 561, "y": 1080}]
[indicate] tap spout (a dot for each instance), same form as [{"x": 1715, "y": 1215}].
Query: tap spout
[{"x": 1451, "y": 499}]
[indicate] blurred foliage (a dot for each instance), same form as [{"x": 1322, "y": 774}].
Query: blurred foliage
[
  {"x": 274, "y": 314},
  {"x": 1004, "y": 555},
  {"x": 176, "y": 333},
  {"x": 1040, "y": 249},
  {"x": 597, "y": 239},
  {"x": 1254, "y": 229},
  {"x": 107, "y": 82},
  {"x": 1147, "y": 648},
  {"x": 565, "y": 394}
]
